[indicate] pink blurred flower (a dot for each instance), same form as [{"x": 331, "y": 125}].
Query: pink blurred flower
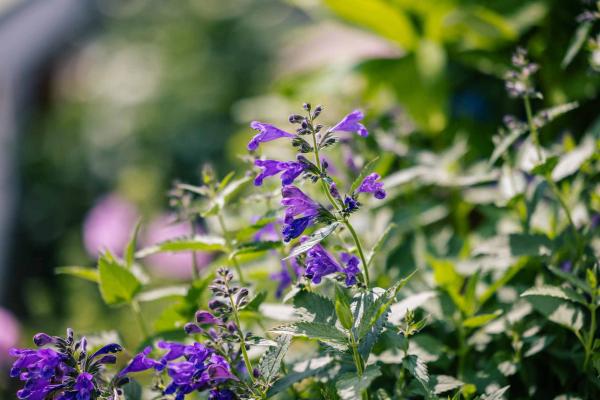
[
  {"x": 108, "y": 225},
  {"x": 171, "y": 265},
  {"x": 9, "y": 335}
]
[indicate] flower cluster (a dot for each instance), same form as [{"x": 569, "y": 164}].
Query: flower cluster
[
  {"x": 518, "y": 80},
  {"x": 301, "y": 211},
  {"x": 61, "y": 368}
]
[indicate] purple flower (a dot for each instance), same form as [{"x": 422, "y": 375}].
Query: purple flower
[
  {"x": 218, "y": 370},
  {"x": 290, "y": 170},
  {"x": 350, "y": 204},
  {"x": 370, "y": 185},
  {"x": 320, "y": 263},
  {"x": 351, "y": 269},
  {"x": 284, "y": 276},
  {"x": 108, "y": 225},
  {"x": 206, "y": 318},
  {"x": 266, "y": 133},
  {"x": 84, "y": 387},
  {"x": 350, "y": 123},
  {"x": 566, "y": 266},
  {"x": 267, "y": 233},
  {"x": 175, "y": 350},
  {"x": 141, "y": 362},
  {"x": 300, "y": 205}
]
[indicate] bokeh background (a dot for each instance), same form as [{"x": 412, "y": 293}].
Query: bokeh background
[{"x": 103, "y": 104}]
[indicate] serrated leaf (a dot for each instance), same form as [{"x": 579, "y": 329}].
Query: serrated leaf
[
  {"x": 366, "y": 170},
  {"x": 418, "y": 369},
  {"x": 312, "y": 307},
  {"x": 522, "y": 244},
  {"x": 571, "y": 278},
  {"x": 577, "y": 42},
  {"x": 162, "y": 293},
  {"x": 313, "y": 330},
  {"x": 559, "y": 311},
  {"x": 496, "y": 394},
  {"x": 313, "y": 239},
  {"x": 117, "y": 284},
  {"x": 225, "y": 195},
  {"x": 88, "y": 274},
  {"x": 300, "y": 371},
  {"x": 481, "y": 320},
  {"x": 374, "y": 311},
  {"x": 270, "y": 362},
  {"x": 443, "y": 383},
  {"x": 398, "y": 310},
  {"x": 194, "y": 243},
  {"x": 555, "y": 291},
  {"x": 380, "y": 241},
  {"x": 350, "y": 386}
]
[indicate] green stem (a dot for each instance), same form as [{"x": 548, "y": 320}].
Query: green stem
[
  {"x": 532, "y": 128},
  {"x": 242, "y": 340},
  {"x": 360, "y": 250},
  {"x": 234, "y": 260},
  {"x": 137, "y": 313},
  {"x": 358, "y": 362},
  {"x": 462, "y": 349},
  {"x": 592, "y": 332}
]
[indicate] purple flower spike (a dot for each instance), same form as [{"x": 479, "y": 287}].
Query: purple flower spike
[
  {"x": 175, "y": 350},
  {"x": 141, "y": 362},
  {"x": 290, "y": 170},
  {"x": 320, "y": 263},
  {"x": 351, "y": 269},
  {"x": 350, "y": 123},
  {"x": 42, "y": 339},
  {"x": 266, "y": 133},
  {"x": 370, "y": 185}
]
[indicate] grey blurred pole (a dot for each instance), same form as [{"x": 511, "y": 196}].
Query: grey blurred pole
[{"x": 30, "y": 36}]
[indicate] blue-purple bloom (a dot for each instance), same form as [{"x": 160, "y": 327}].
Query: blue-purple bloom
[
  {"x": 299, "y": 205},
  {"x": 350, "y": 123},
  {"x": 266, "y": 133},
  {"x": 141, "y": 362},
  {"x": 285, "y": 277},
  {"x": 64, "y": 372},
  {"x": 289, "y": 170},
  {"x": 350, "y": 204},
  {"x": 320, "y": 263},
  {"x": 370, "y": 185}
]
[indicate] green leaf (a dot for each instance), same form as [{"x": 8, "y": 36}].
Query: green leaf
[
  {"x": 131, "y": 246},
  {"x": 379, "y": 307},
  {"x": 418, "y": 369},
  {"x": 342, "y": 308},
  {"x": 496, "y": 394},
  {"x": 313, "y": 307},
  {"x": 571, "y": 162},
  {"x": 522, "y": 244},
  {"x": 313, "y": 239},
  {"x": 412, "y": 302},
  {"x": 350, "y": 386},
  {"x": 225, "y": 195},
  {"x": 446, "y": 277},
  {"x": 162, "y": 293},
  {"x": 571, "y": 278},
  {"x": 503, "y": 280},
  {"x": 313, "y": 330},
  {"x": 380, "y": 243},
  {"x": 577, "y": 42},
  {"x": 545, "y": 168},
  {"x": 378, "y": 16},
  {"x": 88, "y": 274},
  {"x": 117, "y": 284},
  {"x": 480, "y": 320},
  {"x": 366, "y": 170},
  {"x": 194, "y": 243},
  {"x": 555, "y": 291},
  {"x": 255, "y": 247},
  {"x": 300, "y": 371},
  {"x": 443, "y": 383},
  {"x": 257, "y": 300},
  {"x": 270, "y": 362},
  {"x": 559, "y": 311}
]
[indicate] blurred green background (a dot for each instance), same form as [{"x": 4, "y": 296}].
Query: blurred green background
[{"x": 155, "y": 89}]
